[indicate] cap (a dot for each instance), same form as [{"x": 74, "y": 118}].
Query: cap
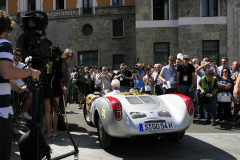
[
  {"x": 122, "y": 65},
  {"x": 81, "y": 65},
  {"x": 111, "y": 68},
  {"x": 186, "y": 57}
]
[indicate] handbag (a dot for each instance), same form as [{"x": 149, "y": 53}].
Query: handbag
[{"x": 224, "y": 97}]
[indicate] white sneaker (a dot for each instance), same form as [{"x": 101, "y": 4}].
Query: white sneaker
[
  {"x": 26, "y": 116},
  {"x": 80, "y": 106},
  {"x": 15, "y": 131}
]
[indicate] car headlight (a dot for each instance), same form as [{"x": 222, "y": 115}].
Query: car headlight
[{"x": 136, "y": 115}]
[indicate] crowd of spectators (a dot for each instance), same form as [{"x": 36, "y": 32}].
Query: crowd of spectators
[{"x": 202, "y": 81}]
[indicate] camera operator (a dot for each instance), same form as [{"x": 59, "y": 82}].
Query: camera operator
[
  {"x": 7, "y": 72},
  {"x": 208, "y": 86},
  {"x": 123, "y": 76},
  {"x": 138, "y": 77},
  {"x": 17, "y": 54}
]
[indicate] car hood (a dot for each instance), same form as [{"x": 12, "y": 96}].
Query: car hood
[{"x": 142, "y": 102}]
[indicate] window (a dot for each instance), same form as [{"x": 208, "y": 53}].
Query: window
[
  {"x": 117, "y": 2},
  {"x": 117, "y": 27},
  {"x": 87, "y": 30},
  {"x": 88, "y": 58},
  {"x": 211, "y": 50},
  {"x": 209, "y": 8},
  {"x": 160, "y": 10},
  {"x": 161, "y": 52},
  {"x": 87, "y": 6},
  {"x": 59, "y": 4},
  {"x": 31, "y": 5},
  {"x": 118, "y": 59},
  {"x": 3, "y": 5}
]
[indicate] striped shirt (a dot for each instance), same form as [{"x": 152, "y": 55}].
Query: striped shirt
[{"x": 6, "y": 54}]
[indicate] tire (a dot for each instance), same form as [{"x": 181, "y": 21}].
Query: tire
[
  {"x": 176, "y": 136},
  {"x": 86, "y": 116},
  {"x": 104, "y": 139}
]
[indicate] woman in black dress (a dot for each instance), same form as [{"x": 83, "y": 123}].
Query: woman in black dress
[{"x": 55, "y": 77}]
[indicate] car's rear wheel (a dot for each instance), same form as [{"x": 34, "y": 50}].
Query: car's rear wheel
[
  {"x": 104, "y": 139},
  {"x": 176, "y": 136},
  {"x": 86, "y": 116}
]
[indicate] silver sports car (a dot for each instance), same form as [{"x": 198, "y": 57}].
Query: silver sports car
[{"x": 130, "y": 115}]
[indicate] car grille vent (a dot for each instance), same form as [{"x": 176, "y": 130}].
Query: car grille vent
[
  {"x": 147, "y": 99},
  {"x": 164, "y": 114},
  {"x": 134, "y": 100}
]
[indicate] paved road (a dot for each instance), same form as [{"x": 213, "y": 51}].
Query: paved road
[{"x": 200, "y": 142}]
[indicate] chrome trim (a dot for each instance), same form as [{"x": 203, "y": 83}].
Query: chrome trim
[{"x": 154, "y": 120}]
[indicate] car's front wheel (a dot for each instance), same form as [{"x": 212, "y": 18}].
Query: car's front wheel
[
  {"x": 86, "y": 116},
  {"x": 104, "y": 139},
  {"x": 176, "y": 136}
]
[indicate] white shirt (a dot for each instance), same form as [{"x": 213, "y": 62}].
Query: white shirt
[
  {"x": 114, "y": 92},
  {"x": 19, "y": 81},
  {"x": 72, "y": 75},
  {"x": 97, "y": 81},
  {"x": 158, "y": 79}
]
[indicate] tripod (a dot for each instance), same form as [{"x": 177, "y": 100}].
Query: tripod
[{"x": 37, "y": 88}]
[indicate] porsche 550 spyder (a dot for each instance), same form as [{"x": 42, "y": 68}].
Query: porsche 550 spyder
[{"x": 130, "y": 115}]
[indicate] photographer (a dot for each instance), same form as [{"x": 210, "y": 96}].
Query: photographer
[
  {"x": 208, "y": 86},
  {"x": 105, "y": 77},
  {"x": 138, "y": 77},
  {"x": 81, "y": 84},
  {"x": 7, "y": 72},
  {"x": 124, "y": 76}
]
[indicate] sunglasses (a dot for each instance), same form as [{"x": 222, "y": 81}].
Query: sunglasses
[
  {"x": 18, "y": 55},
  {"x": 187, "y": 59},
  {"x": 69, "y": 56},
  {"x": 171, "y": 60},
  {"x": 225, "y": 71}
]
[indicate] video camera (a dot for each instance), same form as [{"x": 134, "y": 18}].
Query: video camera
[
  {"x": 135, "y": 67},
  {"x": 38, "y": 45}
]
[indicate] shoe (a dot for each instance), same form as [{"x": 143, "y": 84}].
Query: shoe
[
  {"x": 217, "y": 120},
  {"x": 49, "y": 136},
  {"x": 199, "y": 117},
  {"x": 213, "y": 123},
  {"x": 206, "y": 123},
  {"x": 15, "y": 131},
  {"x": 80, "y": 106},
  {"x": 25, "y": 115},
  {"x": 56, "y": 134}
]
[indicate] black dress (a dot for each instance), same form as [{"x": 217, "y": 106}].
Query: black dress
[{"x": 55, "y": 79}]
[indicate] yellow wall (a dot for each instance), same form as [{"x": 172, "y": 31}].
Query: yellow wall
[
  {"x": 71, "y": 4},
  {"x": 12, "y": 6},
  {"x": 47, "y": 5},
  {"x": 129, "y": 2},
  {"x": 103, "y": 2}
]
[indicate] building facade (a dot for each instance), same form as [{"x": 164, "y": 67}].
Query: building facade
[{"x": 109, "y": 32}]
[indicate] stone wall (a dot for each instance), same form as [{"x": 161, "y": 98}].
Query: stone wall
[
  {"x": 145, "y": 39},
  {"x": 233, "y": 24},
  {"x": 190, "y": 39},
  {"x": 143, "y": 10},
  {"x": 188, "y": 8},
  {"x": 67, "y": 33}
]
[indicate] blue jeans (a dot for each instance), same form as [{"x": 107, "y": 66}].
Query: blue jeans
[
  {"x": 210, "y": 110},
  {"x": 185, "y": 91},
  {"x": 199, "y": 107}
]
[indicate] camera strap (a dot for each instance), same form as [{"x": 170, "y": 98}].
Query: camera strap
[{"x": 107, "y": 79}]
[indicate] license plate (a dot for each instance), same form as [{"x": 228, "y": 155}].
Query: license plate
[{"x": 156, "y": 126}]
